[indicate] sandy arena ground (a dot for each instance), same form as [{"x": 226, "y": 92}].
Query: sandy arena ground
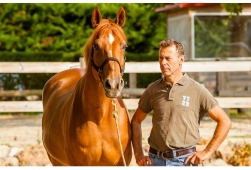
[{"x": 24, "y": 131}]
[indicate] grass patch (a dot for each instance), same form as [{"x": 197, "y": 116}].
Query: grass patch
[
  {"x": 241, "y": 116},
  {"x": 242, "y": 137},
  {"x": 20, "y": 113}
]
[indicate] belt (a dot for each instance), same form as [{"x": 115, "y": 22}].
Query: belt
[{"x": 172, "y": 153}]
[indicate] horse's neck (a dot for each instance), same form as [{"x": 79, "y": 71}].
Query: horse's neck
[
  {"x": 93, "y": 88},
  {"x": 91, "y": 95}
]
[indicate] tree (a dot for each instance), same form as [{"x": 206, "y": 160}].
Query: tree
[{"x": 232, "y": 8}]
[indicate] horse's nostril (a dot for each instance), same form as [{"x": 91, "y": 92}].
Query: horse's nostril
[
  {"x": 121, "y": 83},
  {"x": 107, "y": 84}
]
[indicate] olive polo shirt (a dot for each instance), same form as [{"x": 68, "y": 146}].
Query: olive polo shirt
[{"x": 177, "y": 111}]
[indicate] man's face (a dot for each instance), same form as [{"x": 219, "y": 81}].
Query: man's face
[{"x": 169, "y": 60}]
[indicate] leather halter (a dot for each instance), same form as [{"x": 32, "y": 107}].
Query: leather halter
[{"x": 99, "y": 69}]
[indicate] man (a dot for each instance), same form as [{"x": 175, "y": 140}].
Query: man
[{"x": 178, "y": 103}]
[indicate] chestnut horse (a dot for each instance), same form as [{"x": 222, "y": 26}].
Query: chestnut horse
[{"x": 78, "y": 127}]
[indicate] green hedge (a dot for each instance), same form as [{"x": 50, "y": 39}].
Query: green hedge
[{"x": 66, "y": 27}]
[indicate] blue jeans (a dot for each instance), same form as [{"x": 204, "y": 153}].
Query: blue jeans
[{"x": 176, "y": 161}]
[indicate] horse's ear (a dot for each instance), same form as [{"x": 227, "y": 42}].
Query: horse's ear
[
  {"x": 96, "y": 17},
  {"x": 121, "y": 17}
]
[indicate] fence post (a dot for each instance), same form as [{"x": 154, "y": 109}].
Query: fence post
[
  {"x": 82, "y": 62},
  {"x": 133, "y": 82},
  {"x": 221, "y": 84}
]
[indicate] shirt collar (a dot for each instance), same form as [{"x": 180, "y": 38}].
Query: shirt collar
[
  {"x": 184, "y": 79},
  {"x": 181, "y": 82}
]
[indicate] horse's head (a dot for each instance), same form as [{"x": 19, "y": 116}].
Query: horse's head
[{"x": 107, "y": 51}]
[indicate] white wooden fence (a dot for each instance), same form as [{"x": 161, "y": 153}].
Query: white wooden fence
[{"x": 132, "y": 68}]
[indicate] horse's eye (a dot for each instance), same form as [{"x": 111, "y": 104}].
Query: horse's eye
[
  {"x": 95, "y": 46},
  {"x": 124, "y": 46}
]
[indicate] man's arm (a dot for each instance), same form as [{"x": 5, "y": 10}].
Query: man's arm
[
  {"x": 136, "y": 121},
  {"x": 223, "y": 126}
]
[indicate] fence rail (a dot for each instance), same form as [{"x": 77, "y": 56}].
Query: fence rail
[
  {"x": 131, "y": 67},
  {"x": 131, "y": 104}
]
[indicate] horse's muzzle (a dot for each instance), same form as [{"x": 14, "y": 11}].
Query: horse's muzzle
[{"x": 113, "y": 87}]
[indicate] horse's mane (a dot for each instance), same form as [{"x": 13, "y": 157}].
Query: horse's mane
[{"x": 105, "y": 23}]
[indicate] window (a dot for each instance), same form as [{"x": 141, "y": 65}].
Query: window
[{"x": 219, "y": 36}]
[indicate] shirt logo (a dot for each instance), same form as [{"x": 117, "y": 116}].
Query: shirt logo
[{"x": 185, "y": 101}]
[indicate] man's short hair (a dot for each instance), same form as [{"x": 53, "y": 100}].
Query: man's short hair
[{"x": 169, "y": 42}]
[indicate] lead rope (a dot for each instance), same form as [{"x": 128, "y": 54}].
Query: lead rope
[{"x": 115, "y": 115}]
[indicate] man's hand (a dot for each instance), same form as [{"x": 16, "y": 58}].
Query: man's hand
[
  {"x": 143, "y": 160},
  {"x": 197, "y": 157}
]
